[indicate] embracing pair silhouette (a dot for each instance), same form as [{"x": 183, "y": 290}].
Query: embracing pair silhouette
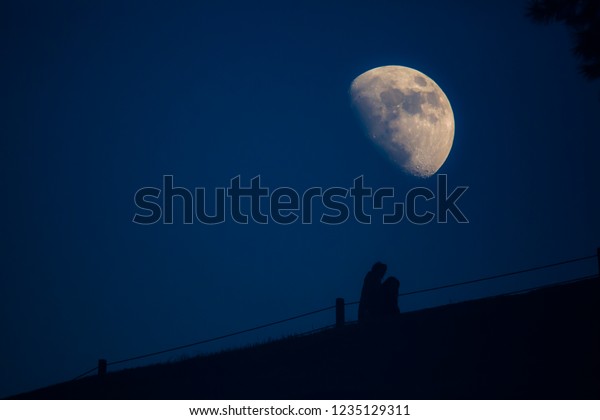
[{"x": 378, "y": 301}]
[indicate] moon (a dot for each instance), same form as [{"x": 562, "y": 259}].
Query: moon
[{"x": 407, "y": 115}]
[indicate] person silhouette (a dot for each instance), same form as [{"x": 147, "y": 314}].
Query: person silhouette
[
  {"x": 370, "y": 300},
  {"x": 389, "y": 299}
]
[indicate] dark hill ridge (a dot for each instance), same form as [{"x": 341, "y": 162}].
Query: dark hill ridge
[{"x": 544, "y": 344}]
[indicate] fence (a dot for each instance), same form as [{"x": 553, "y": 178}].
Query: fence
[{"x": 340, "y": 311}]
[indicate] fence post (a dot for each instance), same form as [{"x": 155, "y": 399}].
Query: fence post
[
  {"x": 102, "y": 367},
  {"x": 340, "y": 312}
]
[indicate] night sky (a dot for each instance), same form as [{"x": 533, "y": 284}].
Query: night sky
[{"x": 99, "y": 100}]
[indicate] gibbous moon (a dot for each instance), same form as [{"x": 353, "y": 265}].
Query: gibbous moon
[{"x": 407, "y": 115}]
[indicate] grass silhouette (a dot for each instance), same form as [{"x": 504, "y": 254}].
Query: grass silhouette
[{"x": 537, "y": 345}]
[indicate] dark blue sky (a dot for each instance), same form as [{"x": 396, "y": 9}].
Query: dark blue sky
[{"x": 101, "y": 100}]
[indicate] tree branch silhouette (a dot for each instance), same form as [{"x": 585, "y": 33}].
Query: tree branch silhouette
[{"x": 583, "y": 19}]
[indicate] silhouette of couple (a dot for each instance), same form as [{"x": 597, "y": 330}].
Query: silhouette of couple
[{"x": 378, "y": 301}]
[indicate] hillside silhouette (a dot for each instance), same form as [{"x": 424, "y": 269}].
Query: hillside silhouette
[{"x": 543, "y": 344}]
